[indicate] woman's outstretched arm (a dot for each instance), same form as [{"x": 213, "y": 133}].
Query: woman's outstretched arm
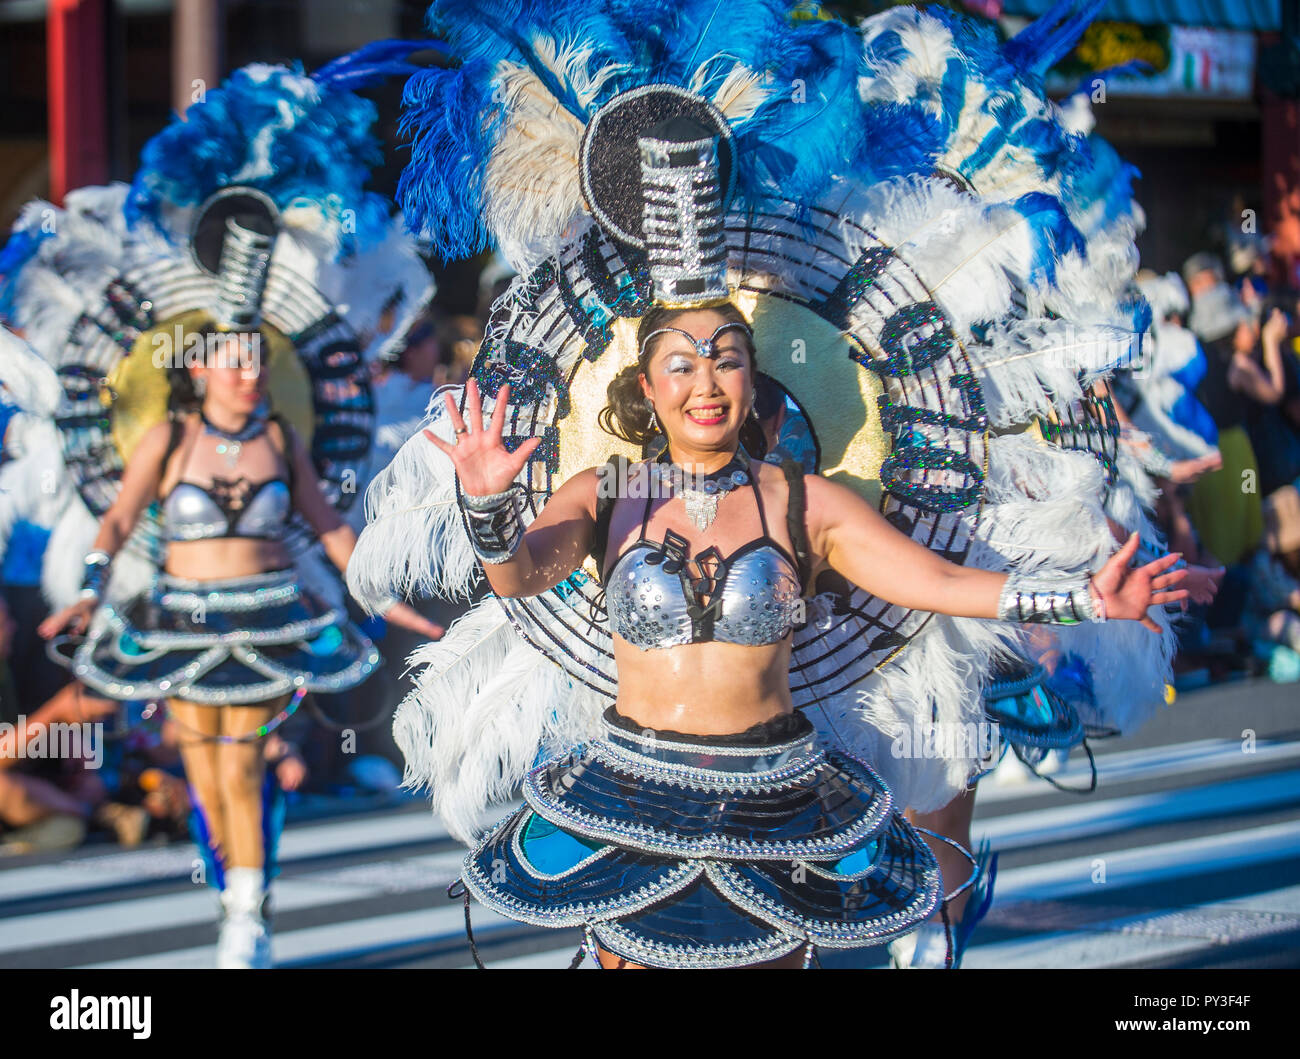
[{"x": 860, "y": 544}]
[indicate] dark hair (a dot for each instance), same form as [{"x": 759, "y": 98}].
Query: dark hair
[
  {"x": 627, "y": 415},
  {"x": 183, "y": 398},
  {"x": 769, "y": 398}
]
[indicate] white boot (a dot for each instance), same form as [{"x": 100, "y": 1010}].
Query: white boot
[
  {"x": 927, "y": 946},
  {"x": 245, "y": 940}
]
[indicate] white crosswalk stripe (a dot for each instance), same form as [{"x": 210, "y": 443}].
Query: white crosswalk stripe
[{"x": 1084, "y": 882}]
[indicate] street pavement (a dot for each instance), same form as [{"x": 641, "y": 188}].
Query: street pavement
[{"x": 1187, "y": 855}]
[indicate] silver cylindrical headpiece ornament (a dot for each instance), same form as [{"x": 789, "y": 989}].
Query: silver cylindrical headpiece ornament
[
  {"x": 682, "y": 224},
  {"x": 241, "y": 276}
]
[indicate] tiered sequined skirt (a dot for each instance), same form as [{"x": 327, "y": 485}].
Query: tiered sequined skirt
[
  {"x": 224, "y": 642},
  {"x": 685, "y": 854}
]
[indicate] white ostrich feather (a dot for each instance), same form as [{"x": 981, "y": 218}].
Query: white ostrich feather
[
  {"x": 927, "y": 45},
  {"x": 938, "y": 677},
  {"x": 532, "y": 191},
  {"x": 963, "y": 251},
  {"x": 31, "y": 381},
  {"x": 1026, "y": 367},
  {"x": 72, "y": 537},
  {"x": 483, "y": 703},
  {"x": 741, "y": 93}
]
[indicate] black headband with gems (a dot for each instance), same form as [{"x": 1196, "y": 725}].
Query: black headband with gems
[{"x": 704, "y": 347}]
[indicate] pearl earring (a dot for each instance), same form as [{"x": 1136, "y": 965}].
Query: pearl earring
[{"x": 200, "y": 386}]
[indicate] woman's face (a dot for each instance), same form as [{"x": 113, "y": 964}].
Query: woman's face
[
  {"x": 700, "y": 401},
  {"x": 234, "y": 374}
]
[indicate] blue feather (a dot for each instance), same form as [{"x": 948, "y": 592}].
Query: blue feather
[
  {"x": 1048, "y": 39},
  {"x": 900, "y": 140},
  {"x": 298, "y": 142},
  {"x": 17, "y": 251},
  {"x": 788, "y": 148},
  {"x": 952, "y": 93},
  {"x": 453, "y": 123},
  {"x": 1052, "y": 231},
  {"x": 376, "y": 61}
]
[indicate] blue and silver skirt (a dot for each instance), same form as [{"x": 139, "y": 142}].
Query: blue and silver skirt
[
  {"x": 226, "y": 642},
  {"x": 710, "y": 853}
]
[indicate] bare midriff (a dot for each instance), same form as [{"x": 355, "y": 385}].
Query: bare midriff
[
  {"x": 218, "y": 558},
  {"x": 703, "y": 688}
]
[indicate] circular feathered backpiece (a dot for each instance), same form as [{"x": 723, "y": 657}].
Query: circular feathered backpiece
[
  {"x": 249, "y": 208},
  {"x": 611, "y": 158}
]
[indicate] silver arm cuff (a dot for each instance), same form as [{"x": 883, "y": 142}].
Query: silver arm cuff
[
  {"x": 1036, "y": 600},
  {"x": 95, "y": 578},
  {"x": 379, "y": 605},
  {"x": 496, "y": 525},
  {"x": 1155, "y": 462}
]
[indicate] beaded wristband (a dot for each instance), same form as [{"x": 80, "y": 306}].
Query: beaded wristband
[
  {"x": 1155, "y": 462},
  {"x": 1031, "y": 600},
  {"x": 380, "y": 605},
  {"x": 95, "y": 578},
  {"x": 496, "y": 526}
]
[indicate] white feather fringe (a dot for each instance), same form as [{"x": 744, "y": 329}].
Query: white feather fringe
[
  {"x": 415, "y": 542},
  {"x": 31, "y": 382},
  {"x": 532, "y": 192},
  {"x": 483, "y": 704}
]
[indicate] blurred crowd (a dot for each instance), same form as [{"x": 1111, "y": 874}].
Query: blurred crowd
[{"x": 1217, "y": 393}]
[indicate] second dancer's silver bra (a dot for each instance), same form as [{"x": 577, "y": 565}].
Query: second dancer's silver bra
[{"x": 235, "y": 508}]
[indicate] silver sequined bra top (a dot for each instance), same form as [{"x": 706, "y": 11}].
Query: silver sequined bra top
[
  {"x": 658, "y": 597},
  {"x": 227, "y": 508}
]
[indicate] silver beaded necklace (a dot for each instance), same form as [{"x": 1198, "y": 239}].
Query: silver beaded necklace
[{"x": 701, "y": 492}]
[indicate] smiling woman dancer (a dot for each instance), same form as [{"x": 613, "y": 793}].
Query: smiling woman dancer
[
  {"x": 208, "y": 333},
  {"x": 691, "y": 654},
  {"x": 703, "y": 606}
]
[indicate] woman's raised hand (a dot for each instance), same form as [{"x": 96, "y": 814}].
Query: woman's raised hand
[
  {"x": 1129, "y": 593},
  {"x": 479, "y": 455}
]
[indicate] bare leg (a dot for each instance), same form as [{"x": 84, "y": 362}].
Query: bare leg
[
  {"x": 70, "y": 705},
  {"x": 241, "y": 768},
  {"x": 200, "y": 759},
  {"x": 953, "y": 820}
]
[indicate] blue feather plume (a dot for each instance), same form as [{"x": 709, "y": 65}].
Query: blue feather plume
[
  {"x": 20, "y": 248},
  {"x": 791, "y": 145},
  {"x": 453, "y": 122},
  {"x": 374, "y": 62},
  {"x": 1048, "y": 39},
  {"x": 1052, "y": 231},
  {"x": 271, "y": 128}
]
